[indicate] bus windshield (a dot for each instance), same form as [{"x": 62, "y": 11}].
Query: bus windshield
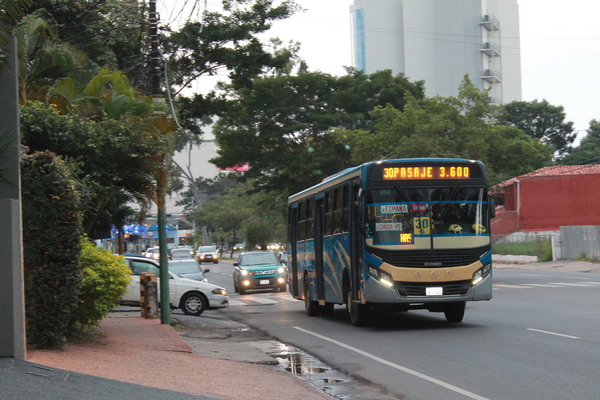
[{"x": 427, "y": 218}]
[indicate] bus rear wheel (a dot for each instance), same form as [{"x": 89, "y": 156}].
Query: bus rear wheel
[
  {"x": 455, "y": 312},
  {"x": 311, "y": 306}
]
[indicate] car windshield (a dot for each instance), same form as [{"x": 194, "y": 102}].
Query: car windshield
[
  {"x": 258, "y": 259},
  {"x": 184, "y": 267},
  {"x": 207, "y": 249},
  {"x": 447, "y": 217}
]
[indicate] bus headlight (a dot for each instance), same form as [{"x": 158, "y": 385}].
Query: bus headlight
[
  {"x": 481, "y": 274},
  {"x": 381, "y": 276}
]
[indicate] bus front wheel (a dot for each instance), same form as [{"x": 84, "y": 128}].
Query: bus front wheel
[
  {"x": 455, "y": 312},
  {"x": 356, "y": 311}
]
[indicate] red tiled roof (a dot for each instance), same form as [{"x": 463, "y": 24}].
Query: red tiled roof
[{"x": 562, "y": 170}]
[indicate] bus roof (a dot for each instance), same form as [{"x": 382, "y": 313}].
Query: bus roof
[{"x": 356, "y": 170}]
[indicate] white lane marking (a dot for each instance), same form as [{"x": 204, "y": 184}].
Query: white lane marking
[
  {"x": 572, "y": 284},
  {"x": 236, "y": 303},
  {"x": 396, "y": 366},
  {"x": 591, "y": 283},
  {"x": 511, "y": 286},
  {"x": 553, "y": 333},
  {"x": 263, "y": 300},
  {"x": 543, "y": 285}
]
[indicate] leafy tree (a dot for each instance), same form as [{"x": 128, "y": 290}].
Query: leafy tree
[
  {"x": 230, "y": 214},
  {"x": 227, "y": 41},
  {"x": 12, "y": 11},
  {"x": 542, "y": 121},
  {"x": 588, "y": 151},
  {"x": 110, "y": 32},
  {"x": 447, "y": 127},
  {"x": 206, "y": 189},
  {"x": 42, "y": 57},
  {"x": 281, "y": 126},
  {"x": 115, "y": 159}
]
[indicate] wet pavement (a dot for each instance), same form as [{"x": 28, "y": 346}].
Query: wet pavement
[{"x": 218, "y": 336}]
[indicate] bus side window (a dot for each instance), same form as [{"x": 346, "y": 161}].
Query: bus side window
[
  {"x": 345, "y": 210},
  {"x": 301, "y": 224},
  {"x": 327, "y": 223},
  {"x": 310, "y": 219},
  {"x": 337, "y": 225}
]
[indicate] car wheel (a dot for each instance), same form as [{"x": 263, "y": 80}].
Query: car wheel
[
  {"x": 193, "y": 303},
  {"x": 215, "y": 262}
]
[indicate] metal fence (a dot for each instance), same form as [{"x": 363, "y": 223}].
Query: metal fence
[
  {"x": 580, "y": 242},
  {"x": 570, "y": 243}
]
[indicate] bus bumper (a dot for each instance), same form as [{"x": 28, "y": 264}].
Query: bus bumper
[{"x": 376, "y": 292}]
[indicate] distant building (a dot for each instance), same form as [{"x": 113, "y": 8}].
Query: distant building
[
  {"x": 548, "y": 199},
  {"x": 439, "y": 41}
]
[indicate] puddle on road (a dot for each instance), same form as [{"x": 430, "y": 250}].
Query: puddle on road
[{"x": 299, "y": 364}]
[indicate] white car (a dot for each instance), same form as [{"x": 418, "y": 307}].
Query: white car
[
  {"x": 152, "y": 252},
  {"x": 191, "y": 296}
]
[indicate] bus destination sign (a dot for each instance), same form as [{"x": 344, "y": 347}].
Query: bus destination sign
[{"x": 427, "y": 172}]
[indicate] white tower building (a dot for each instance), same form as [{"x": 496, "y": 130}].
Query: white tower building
[{"x": 439, "y": 41}]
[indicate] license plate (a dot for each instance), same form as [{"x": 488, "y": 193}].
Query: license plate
[
  {"x": 434, "y": 291},
  {"x": 264, "y": 281}
]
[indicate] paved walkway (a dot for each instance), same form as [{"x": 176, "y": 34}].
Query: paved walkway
[{"x": 146, "y": 352}]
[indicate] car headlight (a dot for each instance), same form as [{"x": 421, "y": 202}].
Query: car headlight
[
  {"x": 244, "y": 272},
  {"x": 480, "y": 274},
  {"x": 281, "y": 270},
  {"x": 381, "y": 276},
  {"x": 220, "y": 291}
]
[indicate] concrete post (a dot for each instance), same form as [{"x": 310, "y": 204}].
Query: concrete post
[{"x": 12, "y": 303}]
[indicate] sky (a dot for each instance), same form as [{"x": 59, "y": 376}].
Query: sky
[{"x": 560, "y": 48}]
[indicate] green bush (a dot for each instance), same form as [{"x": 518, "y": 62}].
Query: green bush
[
  {"x": 104, "y": 282},
  {"x": 51, "y": 248}
]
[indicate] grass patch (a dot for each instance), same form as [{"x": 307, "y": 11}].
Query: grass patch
[{"x": 542, "y": 248}]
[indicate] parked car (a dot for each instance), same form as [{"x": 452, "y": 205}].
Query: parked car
[
  {"x": 207, "y": 254},
  {"x": 181, "y": 254},
  {"x": 152, "y": 253},
  {"x": 191, "y": 296},
  {"x": 189, "y": 268},
  {"x": 259, "y": 270}
]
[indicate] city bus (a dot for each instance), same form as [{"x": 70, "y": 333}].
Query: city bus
[{"x": 393, "y": 235}]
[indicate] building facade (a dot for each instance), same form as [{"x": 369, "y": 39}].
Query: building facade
[
  {"x": 439, "y": 41},
  {"x": 548, "y": 199}
]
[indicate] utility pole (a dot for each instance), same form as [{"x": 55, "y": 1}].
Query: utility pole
[
  {"x": 162, "y": 175},
  {"x": 12, "y": 298}
]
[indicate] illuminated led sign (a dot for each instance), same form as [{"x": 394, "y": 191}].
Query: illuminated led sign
[{"x": 426, "y": 172}]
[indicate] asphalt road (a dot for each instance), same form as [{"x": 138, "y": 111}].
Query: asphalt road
[{"x": 538, "y": 338}]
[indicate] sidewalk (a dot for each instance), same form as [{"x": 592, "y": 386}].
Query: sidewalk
[
  {"x": 146, "y": 352},
  {"x": 529, "y": 263}
]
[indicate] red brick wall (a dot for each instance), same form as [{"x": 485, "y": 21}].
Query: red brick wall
[{"x": 547, "y": 203}]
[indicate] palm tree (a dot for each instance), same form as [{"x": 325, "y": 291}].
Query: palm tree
[{"x": 42, "y": 58}]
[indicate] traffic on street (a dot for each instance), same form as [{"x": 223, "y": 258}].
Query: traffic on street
[{"x": 537, "y": 339}]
